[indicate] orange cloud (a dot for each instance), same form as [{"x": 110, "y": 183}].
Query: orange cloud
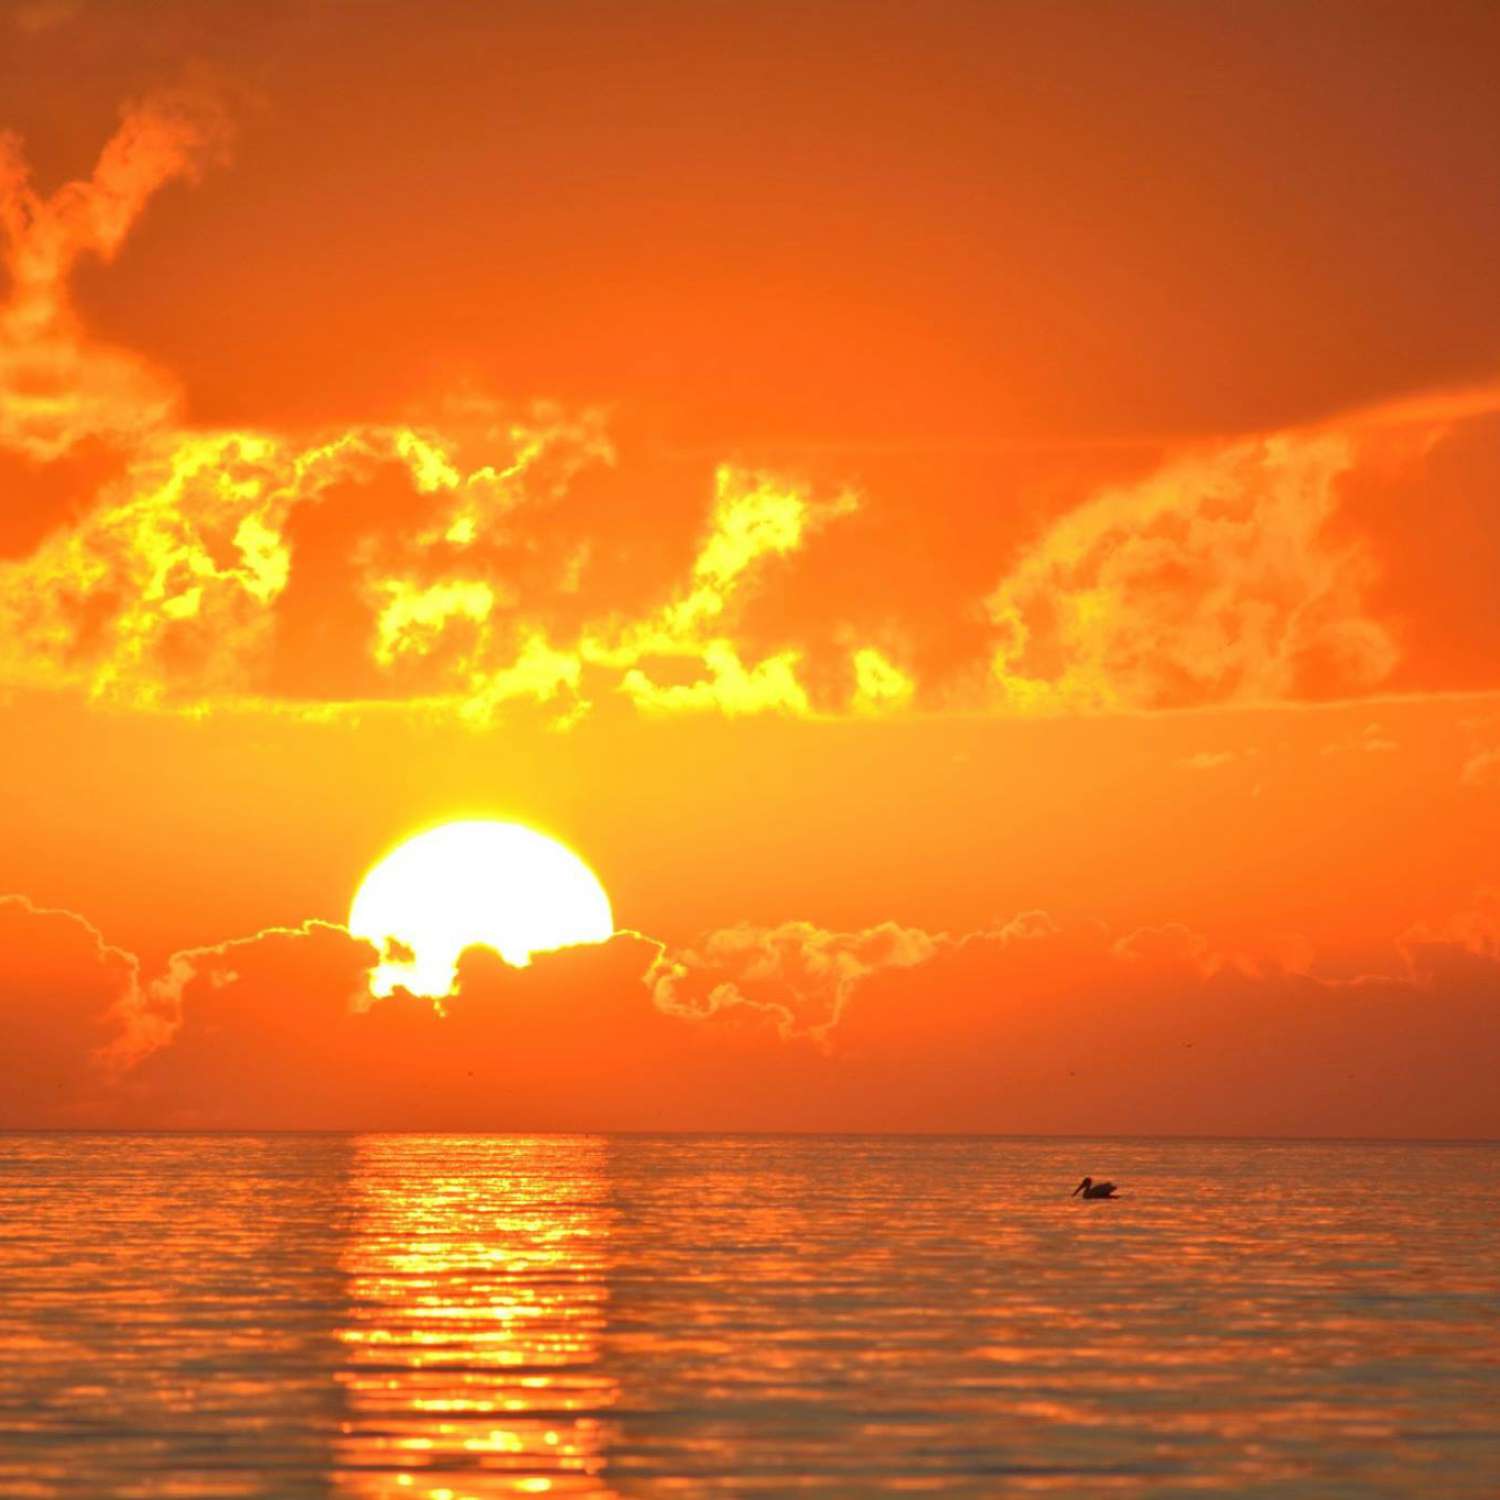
[
  {"x": 262, "y": 1028},
  {"x": 35, "y": 16},
  {"x": 181, "y": 586},
  {"x": 1066, "y": 1039},
  {"x": 1482, "y": 769},
  {"x": 57, "y": 385},
  {"x": 1211, "y": 760},
  {"x": 391, "y": 564},
  {"x": 279, "y": 1029},
  {"x": 1371, "y": 740},
  {"x": 67, "y": 1000},
  {"x": 437, "y": 568},
  {"x": 1212, "y": 581},
  {"x": 797, "y": 974},
  {"x": 756, "y": 517},
  {"x": 1035, "y": 1024},
  {"x": 1170, "y": 946},
  {"x": 1468, "y": 936},
  {"x": 472, "y": 565}
]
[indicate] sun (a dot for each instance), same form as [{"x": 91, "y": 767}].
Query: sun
[{"x": 473, "y": 884}]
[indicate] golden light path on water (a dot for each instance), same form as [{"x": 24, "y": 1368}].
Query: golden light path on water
[{"x": 478, "y": 1299}]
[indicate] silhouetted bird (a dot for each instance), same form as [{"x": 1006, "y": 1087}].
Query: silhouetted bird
[{"x": 1091, "y": 1189}]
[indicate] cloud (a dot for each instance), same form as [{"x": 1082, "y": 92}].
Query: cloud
[
  {"x": 475, "y": 563},
  {"x": 217, "y": 964},
  {"x": 70, "y": 1006},
  {"x": 803, "y": 978},
  {"x": 1373, "y": 739},
  {"x": 443, "y": 568},
  {"x": 1036, "y": 1023},
  {"x": 279, "y": 1030},
  {"x": 1465, "y": 940},
  {"x": 1212, "y": 581},
  {"x": 756, "y": 517},
  {"x": 260, "y": 1027},
  {"x": 57, "y": 385},
  {"x": 183, "y": 587},
  {"x": 799, "y": 975},
  {"x": 32, "y": 17},
  {"x": 880, "y": 686},
  {"x": 1482, "y": 769},
  {"x": 1211, "y": 760},
  {"x": 1085, "y": 1046},
  {"x": 1170, "y": 946},
  {"x": 393, "y": 565},
  {"x": 1044, "y": 1024}
]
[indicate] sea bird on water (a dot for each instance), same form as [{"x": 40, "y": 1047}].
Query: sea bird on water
[{"x": 1091, "y": 1189}]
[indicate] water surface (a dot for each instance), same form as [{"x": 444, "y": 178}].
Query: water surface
[{"x": 460, "y": 1317}]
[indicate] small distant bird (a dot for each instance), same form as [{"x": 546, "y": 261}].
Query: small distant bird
[{"x": 1091, "y": 1189}]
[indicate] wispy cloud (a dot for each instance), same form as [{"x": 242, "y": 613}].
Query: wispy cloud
[
  {"x": 1213, "y": 581},
  {"x": 57, "y": 384},
  {"x": 1482, "y": 769},
  {"x": 800, "y": 975}
]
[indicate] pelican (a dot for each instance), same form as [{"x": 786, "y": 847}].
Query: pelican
[{"x": 1091, "y": 1189}]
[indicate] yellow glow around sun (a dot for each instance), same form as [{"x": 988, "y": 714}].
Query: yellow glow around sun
[{"x": 474, "y": 884}]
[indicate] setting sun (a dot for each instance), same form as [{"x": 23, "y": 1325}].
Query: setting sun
[{"x": 474, "y": 884}]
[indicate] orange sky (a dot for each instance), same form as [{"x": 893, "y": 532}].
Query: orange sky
[{"x": 977, "y": 522}]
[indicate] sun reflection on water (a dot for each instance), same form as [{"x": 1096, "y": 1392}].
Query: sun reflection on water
[{"x": 477, "y": 1302}]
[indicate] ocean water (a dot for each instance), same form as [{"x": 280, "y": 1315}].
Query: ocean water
[{"x": 457, "y": 1317}]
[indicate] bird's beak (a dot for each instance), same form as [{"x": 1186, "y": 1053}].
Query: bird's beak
[{"x": 1076, "y": 1191}]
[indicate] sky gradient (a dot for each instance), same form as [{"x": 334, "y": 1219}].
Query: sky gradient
[{"x": 977, "y": 522}]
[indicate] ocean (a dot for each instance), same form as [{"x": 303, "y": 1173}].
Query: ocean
[{"x": 457, "y": 1317}]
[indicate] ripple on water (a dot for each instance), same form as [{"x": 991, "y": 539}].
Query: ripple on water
[{"x": 472, "y": 1316}]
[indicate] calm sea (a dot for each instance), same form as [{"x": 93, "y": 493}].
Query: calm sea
[{"x": 457, "y": 1317}]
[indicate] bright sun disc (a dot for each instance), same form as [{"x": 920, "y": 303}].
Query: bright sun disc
[{"x": 474, "y": 884}]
